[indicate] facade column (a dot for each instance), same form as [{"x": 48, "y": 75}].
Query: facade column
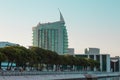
[
  {"x": 101, "y": 63},
  {"x": 119, "y": 63},
  {"x": 88, "y": 68},
  {"x": 88, "y": 56},
  {"x": 108, "y": 63},
  {"x": 94, "y": 59}
]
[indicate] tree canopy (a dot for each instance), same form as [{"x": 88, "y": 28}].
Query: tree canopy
[{"x": 38, "y": 57}]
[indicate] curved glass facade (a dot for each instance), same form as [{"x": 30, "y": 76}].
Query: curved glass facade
[{"x": 51, "y": 36}]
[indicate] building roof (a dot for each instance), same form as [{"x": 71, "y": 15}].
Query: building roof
[{"x": 61, "y": 17}]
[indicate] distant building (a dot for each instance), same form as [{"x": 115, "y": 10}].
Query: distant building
[
  {"x": 71, "y": 51},
  {"x": 115, "y": 64},
  {"x": 103, "y": 59},
  {"x": 92, "y": 51},
  {"x": 5, "y": 44},
  {"x": 52, "y": 36}
]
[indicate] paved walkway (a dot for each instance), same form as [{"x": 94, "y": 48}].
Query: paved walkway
[
  {"x": 56, "y": 75},
  {"x": 42, "y": 77}
]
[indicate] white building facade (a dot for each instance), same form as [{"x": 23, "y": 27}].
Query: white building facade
[
  {"x": 71, "y": 51},
  {"x": 115, "y": 64},
  {"x": 103, "y": 59}
]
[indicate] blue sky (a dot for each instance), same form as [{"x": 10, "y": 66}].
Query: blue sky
[{"x": 90, "y": 23}]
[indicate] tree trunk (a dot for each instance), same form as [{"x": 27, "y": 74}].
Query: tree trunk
[
  {"x": 0, "y": 66},
  {"x": 8, "y": 65},
  {"x": 11, "y": 65}
]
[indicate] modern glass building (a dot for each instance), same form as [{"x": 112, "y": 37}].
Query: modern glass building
[{"x": 52, "y": 36}]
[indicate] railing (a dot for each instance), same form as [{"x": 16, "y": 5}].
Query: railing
[{"x": 17, "y": 73}]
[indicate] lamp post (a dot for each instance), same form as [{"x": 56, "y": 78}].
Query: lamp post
[{"x": 114, "y": 61}]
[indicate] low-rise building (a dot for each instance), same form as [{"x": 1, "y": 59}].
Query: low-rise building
[
  {"x": 92, "y": 51},
  {"x": 103, "y": 59},
  {"x": 71, "y": 51},
  {"x": 5, "y": 44},
  {"x": 115, "y": 64}
]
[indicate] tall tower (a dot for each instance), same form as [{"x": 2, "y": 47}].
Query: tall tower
[{"x": 51, "y": 36}]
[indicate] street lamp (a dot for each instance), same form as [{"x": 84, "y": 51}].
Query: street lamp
[{"x": 114, "y": 61}]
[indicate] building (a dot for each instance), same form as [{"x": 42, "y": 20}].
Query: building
[
  {"x": 51, "y": 36},
  {"x": 115, "y": 64},
  {"x": 71, "y": 51},
  {"x": 5, "y": 44},
  {"x": 92, "y": 51},
  {"x": 103, "y": 59}
]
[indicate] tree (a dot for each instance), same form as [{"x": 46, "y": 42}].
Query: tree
[
  {"x": 9, "y": 53},
  {"x": 40, "y": 56},
  {"x": 22, "y": 56},
  {"x": 2, "y": 58}
]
